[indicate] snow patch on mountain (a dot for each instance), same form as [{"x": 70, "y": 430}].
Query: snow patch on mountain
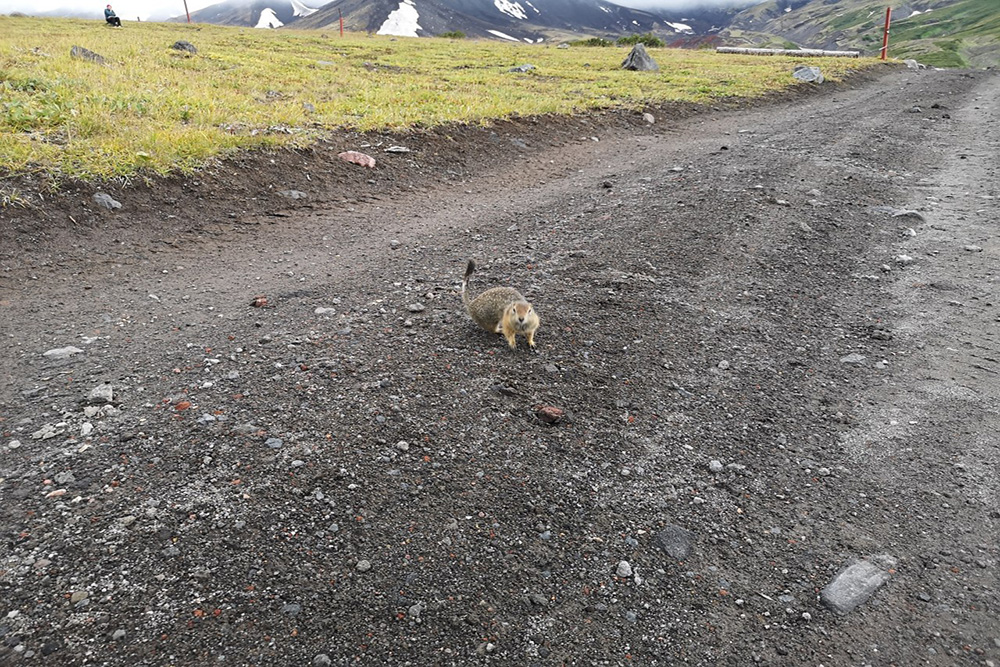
[
  {"x": 268, "y": 19},
  {"x": 298, "y": 9},
  {"x": 512, "y": 9},
  {"x": 680, "y": 27},
  {"x": 402, "y": 22},
  {"x": 535, "y": 9},
  {"x": 502, "y": 35}
]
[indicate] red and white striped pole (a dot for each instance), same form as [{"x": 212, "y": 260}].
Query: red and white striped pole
[{"x": 885, "y": 35}]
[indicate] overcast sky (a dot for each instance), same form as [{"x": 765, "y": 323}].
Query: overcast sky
[{"x": 128, "y": 10}]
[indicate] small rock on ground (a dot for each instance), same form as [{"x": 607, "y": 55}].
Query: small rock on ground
[
  {"x": 676, "y": 541},
  {"x": 855, "y": 584},
  {"x": 107, "y": 201}
]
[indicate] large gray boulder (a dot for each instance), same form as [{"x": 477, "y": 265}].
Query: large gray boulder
[
  {"x": 182, "y": 45},
  {"x": 86, "y": 54},
  {"x": 639, "y": 60},
  {"x": 808, "y": 74}
]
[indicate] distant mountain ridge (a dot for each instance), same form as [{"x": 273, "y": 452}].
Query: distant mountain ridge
[
  {"x": 518, "y": 20},
  {"x": 953, "y": 33}
]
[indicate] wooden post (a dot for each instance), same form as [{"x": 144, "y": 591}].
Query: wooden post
[
  {"x": 885, "y": 35},
  {"x": 341, "y": 15},
  {"x": 186, "y": 10}
]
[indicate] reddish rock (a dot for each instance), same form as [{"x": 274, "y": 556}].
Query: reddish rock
[
  {"x": 549, "y": 414},
  {"x": 358, "y": 158}
]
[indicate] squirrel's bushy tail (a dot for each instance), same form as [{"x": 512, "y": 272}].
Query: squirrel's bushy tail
[{"x": 465, "y": 282}]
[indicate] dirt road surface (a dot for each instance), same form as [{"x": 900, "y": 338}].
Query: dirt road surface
[{"x": 773, "y": 331}]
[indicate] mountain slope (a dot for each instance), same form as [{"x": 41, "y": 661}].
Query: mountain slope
[
  {"x": 258, "y": 13},
  {"x": 953, "y": 33},
  {"x": 519, "y": 20}
]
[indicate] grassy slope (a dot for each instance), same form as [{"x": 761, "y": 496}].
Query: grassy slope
[
  {"x": 962, "y": 34},
  {"x": 155, "y": 110},
  {"x": 954, "y": 33}
]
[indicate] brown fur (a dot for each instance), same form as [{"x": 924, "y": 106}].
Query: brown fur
[{"x": 501, "y": 310}]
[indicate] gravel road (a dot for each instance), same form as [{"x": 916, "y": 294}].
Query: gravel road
[{"x": 772, "y": 332}]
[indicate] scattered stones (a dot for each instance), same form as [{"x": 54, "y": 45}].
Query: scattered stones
[
  {"x": 397, "y": 149},
  {"x": 274, "y": 443},
  {"x": 62, "y": 352},
  {"x": 639, "y": 60},
  {"x": 13, "y": 444},
  {"x": 259, "y": 301},
  {"x": 357, "y": 158},
  {"x": 323, "y": 310},
  {"x": 416, "y": 308},
  {"x": 676, "y": 541},
  {"x": 723, "y": 365},
  {"x": 293, "y": 194},
  {"x": 363, "y": 566},
  {"x": 808, "y": 74},
  {"x": 322, "y": 660},
  {"x": 403, "y": 446},
  {"x": 102, "y": 393},
  {"x": 972, "y": 248},
  {"x": 118, "y": 635},
  {"x": 904, "y": 260},
  {"x": 81, "y": 53},
  {"x": 182, "y": 45},
  {"x": 855, "y": 584},
  {"x": 64, "y": 477},
  {"x": 624, "y": 570},
  {"x": 649, "y": 118},
  {"x": 78, "y": 596},
  {"x": 715, "y": 466},
  {"x": 521, "y": 69},
  {"x": 291, "y": 609},
  {"x": 49, "y": 431},
  {"x": 853, "y": 359},
  {"x": 106, "y": 201},
  {"x": 912, "y": 64},
  {"x": 538, "y": 599}
]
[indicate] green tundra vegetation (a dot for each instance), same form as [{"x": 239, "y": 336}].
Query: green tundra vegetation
[{"x": 152, "y": 110}]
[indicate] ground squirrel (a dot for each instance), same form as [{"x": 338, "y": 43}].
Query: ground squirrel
[{"x": 501, "y": 310}]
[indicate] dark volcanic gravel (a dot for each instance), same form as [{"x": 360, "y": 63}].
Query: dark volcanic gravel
[{"x": 773, "y": 333}]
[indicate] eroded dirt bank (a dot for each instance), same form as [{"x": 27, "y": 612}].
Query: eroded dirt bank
[{"x": 774, "y": 330}]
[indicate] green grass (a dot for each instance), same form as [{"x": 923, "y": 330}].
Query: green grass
[
  {"x": 153, "y": 110},
  {"x": 963, "y": 19},
  {"x": 963, "y": 34}
]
